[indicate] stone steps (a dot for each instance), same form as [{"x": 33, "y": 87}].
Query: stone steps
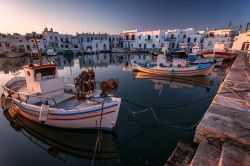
[
  {"x": 206, "y": 155},
  {"x": 182, "y": 154},
  {"x": 233, "y": 156}
]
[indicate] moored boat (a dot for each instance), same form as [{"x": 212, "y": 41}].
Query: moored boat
[
  {"x": 119, "y": 50},
  {"x": 44, "y": 98},
  {"x": 179, "y": 67},
  {"x": 219, "y": 54}
]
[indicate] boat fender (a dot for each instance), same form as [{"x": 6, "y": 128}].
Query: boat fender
[{"x": 44, "y": 112}]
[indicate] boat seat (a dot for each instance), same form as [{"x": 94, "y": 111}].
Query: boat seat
[{"x": 61, "y": 98}]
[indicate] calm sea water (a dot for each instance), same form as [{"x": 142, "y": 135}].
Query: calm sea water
[{"x": 143, "y": 136}]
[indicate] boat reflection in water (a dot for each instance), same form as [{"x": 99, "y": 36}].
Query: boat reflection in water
[
  {"x": 62, "y": 143},
  {"x": 175, "y": 82}
]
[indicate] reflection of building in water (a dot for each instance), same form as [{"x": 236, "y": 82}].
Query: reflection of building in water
[
  {"x": 101, "y": 60},
  {"x": 62, "y": 62},
  {"x": 94, "y": 60},
  {"x": 13, "y": 65}
]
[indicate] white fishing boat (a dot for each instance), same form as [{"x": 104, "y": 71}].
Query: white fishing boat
[
  {"x": 51, "y": 52},
  {"x": 179, "y": 67},
  {"x": 119, "y": 50},
  {"x": 44, "y": 97}
]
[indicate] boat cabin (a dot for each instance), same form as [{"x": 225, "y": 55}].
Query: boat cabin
[{"x": 43, "y": 79}]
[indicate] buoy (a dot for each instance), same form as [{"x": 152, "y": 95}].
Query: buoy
[{"x": 44, "y": 112}]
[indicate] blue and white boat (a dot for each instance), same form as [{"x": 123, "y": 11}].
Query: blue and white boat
[{"x": 179, "y": 67}]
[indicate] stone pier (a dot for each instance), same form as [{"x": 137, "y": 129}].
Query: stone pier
[{"x": 223, "y": 134}]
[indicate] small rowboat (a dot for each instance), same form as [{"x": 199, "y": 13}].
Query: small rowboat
[
  {"x": 43, "y": 97},
  {"x": 182, "y": 69}
]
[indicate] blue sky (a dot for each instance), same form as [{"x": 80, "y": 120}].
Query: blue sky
[{"x": 112, "y": 16}]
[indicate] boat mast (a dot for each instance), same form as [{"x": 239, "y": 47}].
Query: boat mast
[{"x": 37, "y": 47}]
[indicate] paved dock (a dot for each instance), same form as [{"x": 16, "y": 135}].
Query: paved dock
[{"x": 223, "y": 134}]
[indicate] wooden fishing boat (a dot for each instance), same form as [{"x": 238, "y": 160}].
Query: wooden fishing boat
[
  {"x": 179, "y": 67},
  {"x": 44, "y": 98}
]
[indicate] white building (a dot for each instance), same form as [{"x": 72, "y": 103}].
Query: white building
[
  {"x": 242, "y": 42},
  {"x": 179, "y": 38},
  {"x": 89, "y": 42},
  {"x": 144, "y": 40},
  {"x": 51, "y": 38},
  {"x": 222, "y": 36}
]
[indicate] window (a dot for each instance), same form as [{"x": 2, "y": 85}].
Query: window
[
  {"x": 188, "y": 40},
  {"x": 51, "y": 38},
  {"x": 61, "y": 39},
  {"x": 139, "y": 37},
  {"x": 81, "y": 39},
  {"x": 172, "y": 36},
  {"x": 96, "y": 45},
  {"x": 173, "y": 45},
  {"x": 247, "y": 47},
  {"x": 133, "y": 37},
  {"x": 139, "y": 45},
  {"x": 50, "y": 71},
  {"x": 153, "y": 45},
  {"x": 195, "y": 39},
  {"x": 28, "y": 46},
  {"x": 184, "y": 36},
  {"x": 149, "y": 37},
  {"x": 61, "y": 46},
  {"x": 87, "y": 39},
  {"x": 156, "y": 36}
]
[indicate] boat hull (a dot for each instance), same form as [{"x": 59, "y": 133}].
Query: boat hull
[
  {"x": 182, "y": 72},
  {"x": 92, "y": 118},
  {"x": 223, "y": 55}
]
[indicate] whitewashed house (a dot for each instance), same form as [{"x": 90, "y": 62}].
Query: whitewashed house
[
  {"x": 128, "y": 38},
  {"x": 144, "y": 40},
  {"x": 86, "y": 42},
  {"x": 52, "y": 39},
  {"x": 100, "y": 45},
  {"x": 5, "y": 43},
  {"x": 220, "y": 36},
  {"x": 65, "y": 42},
  {"x": 242, "y": 42}
]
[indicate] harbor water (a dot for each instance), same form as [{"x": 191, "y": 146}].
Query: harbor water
[{"x": 156, "y": 113}]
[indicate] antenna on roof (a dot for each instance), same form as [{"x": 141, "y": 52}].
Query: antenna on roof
[
  {"x": 247, "y": 26},
  {"x": 230, "y": 24}
]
